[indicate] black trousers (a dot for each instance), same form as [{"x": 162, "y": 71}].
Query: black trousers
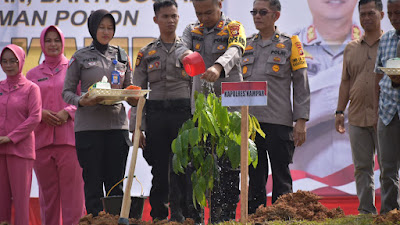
[
  {"x": 280, "y": 147},
  {"x": 164, "y": 118},
  {"x": 102, "y": 156}
]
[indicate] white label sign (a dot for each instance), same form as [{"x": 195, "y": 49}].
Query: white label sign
[{"x": 244, "y": 93}]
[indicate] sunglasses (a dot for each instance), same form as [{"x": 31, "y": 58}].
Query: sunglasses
[{"x": 262, "y": 12}]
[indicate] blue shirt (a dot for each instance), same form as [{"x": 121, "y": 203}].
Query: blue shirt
[{"x": 389, "y": 98}]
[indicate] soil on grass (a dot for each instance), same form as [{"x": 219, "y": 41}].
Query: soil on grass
[{"x": 301, "y": 205}]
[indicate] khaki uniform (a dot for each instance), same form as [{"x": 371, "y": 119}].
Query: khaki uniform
[
  {"x": 88, "y": 66},
  {"x": 167, "y": 108},
  {"x": 270, "y": 61},
  {"x": 212, "y": 44},
  {"x": 101, "y": 131},
  {"x": 223, "y": 44},
  {"x": 281, "y": 62}
]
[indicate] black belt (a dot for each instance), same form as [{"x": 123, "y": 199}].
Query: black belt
[{"x": 168, "y": 105}]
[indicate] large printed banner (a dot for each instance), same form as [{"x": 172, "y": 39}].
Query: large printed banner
[{"x": 322, "y": 165}]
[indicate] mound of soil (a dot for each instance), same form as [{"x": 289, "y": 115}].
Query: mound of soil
[
  {"x": 302, "y": 205},
  {"x": 392, "y": 216},
  {"x": 107, "y": 219}
]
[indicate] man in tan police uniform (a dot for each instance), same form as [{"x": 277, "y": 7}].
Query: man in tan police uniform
[
  {"x": 279, "y": 59},
  {"x": 220, "y": 41},
  {"x": 167, "y": 108}
]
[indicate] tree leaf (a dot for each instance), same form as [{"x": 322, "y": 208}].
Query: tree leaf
[
  {"x": 194, "y": 136},
  {"x": 253, "y": 154},
  {"x": 176, "y": 165},
  {"x": 257, "y": 127},
  {"x": 235, "y": 122},
  {"x": 185, "y": 139},
  {"x": 234, "y": 154}
]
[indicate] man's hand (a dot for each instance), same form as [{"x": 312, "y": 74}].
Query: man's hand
[
  {"x": 88, "y": 100},
  {"x": 4, "y": 139},
  {"x": 186, "y": 53},
  {"x": 395, "y": 79},
  {"x": 50, "y": 118},
  {"x": 212, "y": 73},
  {"x": 132, "y": 101},
  {"x": 299, "y": 132},
  {"x": 339, "y": 123},
  {"x": 142, "y": 140}
]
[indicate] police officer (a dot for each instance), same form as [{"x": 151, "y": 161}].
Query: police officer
[
  {"x": 101, "y": 131},
  {"x": 167, "y": 108},
  {"x": 324, "y": 42},
  {"x": 277, "y": 58},
  {"x": 220, "y": 41}
]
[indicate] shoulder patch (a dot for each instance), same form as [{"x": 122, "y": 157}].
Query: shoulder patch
[
  {"x": 237, "y": 36},
  {"x": 139, "y": 58},
  {"x": 72, "y": 60},
  {"x": 297, "y": 58}
]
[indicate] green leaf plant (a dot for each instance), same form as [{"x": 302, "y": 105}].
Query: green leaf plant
[{"x": 212, "y": 133}]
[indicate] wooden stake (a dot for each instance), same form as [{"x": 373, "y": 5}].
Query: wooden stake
[
  {"x": 244, "y": 168},
  {"x": 126, "y": 202}
]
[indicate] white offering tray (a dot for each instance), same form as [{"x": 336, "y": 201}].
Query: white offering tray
[
  {"x": 390, "y": 71},
  {"x": 114, "y": 96}
]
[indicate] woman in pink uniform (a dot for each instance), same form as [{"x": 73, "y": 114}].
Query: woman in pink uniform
[
  {"x": 20, "y": 113},
  {"x": 56, "y": 166}
]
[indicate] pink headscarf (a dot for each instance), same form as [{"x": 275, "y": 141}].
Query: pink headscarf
[
  {"x": 52, "y": 61},
  {"x": 20, "y": 54}
]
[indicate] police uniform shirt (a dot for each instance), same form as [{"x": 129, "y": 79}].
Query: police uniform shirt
[
  {"x": 212, "y": 44},
  {"x": 88, "y": 66},
  {"x": 269, "y": 60},
  {"x": 158, "y": 69}
]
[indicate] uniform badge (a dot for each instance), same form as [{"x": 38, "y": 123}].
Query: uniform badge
[
  {"x": 280, "y": 45},
  {"x": 139, "y": 58},
  {"x": 92, "y": 63},
  {"x": 157, "y": 64},
  {"x": 249, "y": 47},
  {"x": 277, "y": 59},
  {"x": 152, "y": 52},
  {"x": 42, "y": 79},
  {"x": 197, "y": 47},
  {"x": 220, "y": 24},
  {"x": 234, "y": 29},
  {"x": 71, "y": 61},
  {"x": 311, "y": 35},
  {"x": 184, "y": 74},
  {"x": 275, "y": 68},
  {"x": 223, "y": 32},
  {"x": 355, "y": 32},
  {"x": 197, "y": 30},
  {"x": 221, "y": 47},
  {"x": 245, "y": 60},
  {"x": 151, "y": 66},
  {"x": 244, "y": 69}
]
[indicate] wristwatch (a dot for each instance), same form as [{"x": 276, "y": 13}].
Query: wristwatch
[{"x": 339, "y": 112}]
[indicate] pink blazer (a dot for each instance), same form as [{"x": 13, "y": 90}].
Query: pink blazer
[
  {"x": 51, "y": 86},
  {"x": 20, "y": 113}
]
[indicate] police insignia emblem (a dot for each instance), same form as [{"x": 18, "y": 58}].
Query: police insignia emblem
[{"x": 275, "y": 68}]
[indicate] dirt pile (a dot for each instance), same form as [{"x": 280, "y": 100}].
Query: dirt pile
[
  {"x": 107, "y": 219},
  {"x": 392, "y": 216},
  {"x": 302, "y": 205}
]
